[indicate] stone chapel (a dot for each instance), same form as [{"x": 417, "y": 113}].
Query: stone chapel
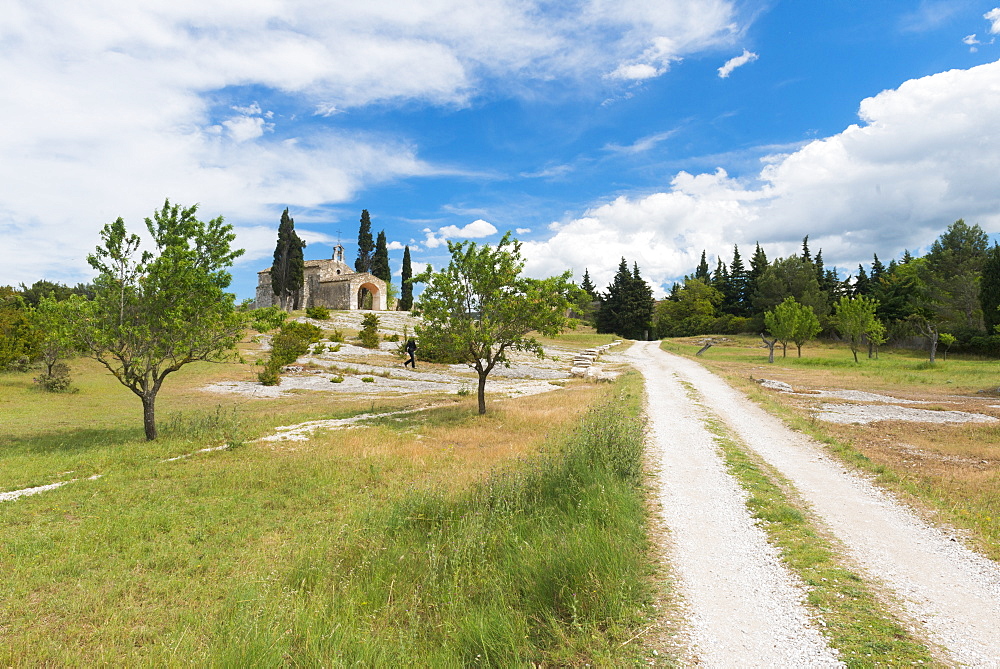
[{"x": 329, "y": 283}]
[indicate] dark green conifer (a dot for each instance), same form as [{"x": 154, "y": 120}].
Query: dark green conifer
[
  {"x": 287, "y": 271},
  {"x": 366, "y": 245},
  {"x": 406, "y": 299}
]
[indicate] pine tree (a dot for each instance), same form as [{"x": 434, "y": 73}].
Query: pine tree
[
  {"x": 758, "y": 264},
  {"x": 862, "y": 286},
  {"x": 627, "y": 306},
  {"x": 588, "y": 285},
  {"x": 640, "y": 311},
  {"x": 878, "y": 269},
  {"x": 805, "y": 249},
  {"x": 288, "y": 269},
  {"x": 739, "y": 282},
  {"x": 906, "y": 257},
  {"x": 365, "y": 244},
  {"x": 406, "y": 301},
  {"x": 380, "y": 259},
  {"x": 702, "y": 272},
  {"x": 721, "y": 282}
]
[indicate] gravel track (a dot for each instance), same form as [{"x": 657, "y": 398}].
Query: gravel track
[
  {"x": 951, "y": 593},
  {"x": 744, "y": 607}
]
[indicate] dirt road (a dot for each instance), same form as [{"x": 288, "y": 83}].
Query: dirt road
[{"x": 745, "y": 608}]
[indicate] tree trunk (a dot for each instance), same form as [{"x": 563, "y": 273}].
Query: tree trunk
[
  {"x": 770, "y": 347},
  {"x": 784, "y": 349},
  {"x": 482, "y": 392},
  {"x": 933, "y": 347},
  {"x": 149, "y": 415},
  {"x": 799, "y": 346}
]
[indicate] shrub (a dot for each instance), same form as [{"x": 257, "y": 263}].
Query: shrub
[
  {"x": 368, "y": 379},
  {"x": 266, "y": 319},
  {"x": 286, "y": 346},
  {"x": 335, "y": 335},
  {"x": 336, "y": 379},
  {"x": 369, "y": 331},
  {"x": 269, "y": 376},
  {"x": 56, "y": 381},
  {"x": 319, "y": 313},
  {"x": 393, "y": 337}
]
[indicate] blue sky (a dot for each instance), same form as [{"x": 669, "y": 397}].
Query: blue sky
[{"x": 596, "y": 128}]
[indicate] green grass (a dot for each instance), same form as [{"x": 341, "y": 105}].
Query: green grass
[
  {"x": 856, "y": 623},
  {"x": 521, "y": 569},
  {"x": 311, "y": 554}
]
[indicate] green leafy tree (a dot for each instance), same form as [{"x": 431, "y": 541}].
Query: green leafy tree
[
  {"x": 855, "y": 319},
  {"x": 54, "y": 321},
  {"x": 691, "y": 310},
  {"x": 42, "y": 288},
  {"x": 480, "y": 307},
  {"x": 288, "y": 269},
  {"x": 952, "y": 273},
  {"x": 366, "y": 246},
  {"x": 156, "y": 312},
  {"x": 406, "y": 280},
  {"x": 791, "y": 321},
  {"x": 18, "y": 335}
]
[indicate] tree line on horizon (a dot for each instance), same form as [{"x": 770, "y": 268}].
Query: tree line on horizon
[{"x": 953, "y": 290}]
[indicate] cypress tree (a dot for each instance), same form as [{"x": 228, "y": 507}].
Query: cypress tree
[
  {"x": 380, "y": 259},
  {"x": 365, "y": 244},
  {"x": 406, "y": 301},
  {"x": 287, "y": 271}
]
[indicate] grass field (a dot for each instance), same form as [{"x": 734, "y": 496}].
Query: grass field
[
  {"x": 952, "y": 471},
  {"x": 434, "y": 539}
]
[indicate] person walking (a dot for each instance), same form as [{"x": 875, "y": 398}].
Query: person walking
[{"x": 411, "y": 350}]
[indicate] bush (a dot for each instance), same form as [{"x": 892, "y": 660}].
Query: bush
[
  {"x": 269, "y": 376},
  {"x": 336, "y": 379},
  {"x": 368, "y": 379},
  {"x": 335, "y": 335},
  {"x": 286, "y": 347},
  {"x": 393, "y": 337},
  {"x": 57, "y": 381},
  {"x": 319, "y": 313},
  {"x": 369, "y": 331},
  {"x": 266, "y": 319}
]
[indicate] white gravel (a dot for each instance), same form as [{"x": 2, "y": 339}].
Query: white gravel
[
  {"x": 745, "y": 608},
  {"x": 864, "y": 414},
  {"x": 951, "y": 593}
]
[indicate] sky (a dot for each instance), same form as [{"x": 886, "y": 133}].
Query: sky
[{"x": 591, "y": 129}]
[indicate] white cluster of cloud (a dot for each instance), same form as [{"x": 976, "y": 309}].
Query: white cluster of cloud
[
  {"x": 738, "y": 61},
  {"x": 110, "y": 104},
  {"x": 993, "y": 16},
  {"x": 924, "y": 155},
  {"x": 475, "y": 230}
]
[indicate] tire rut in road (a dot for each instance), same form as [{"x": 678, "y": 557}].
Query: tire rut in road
[{"x": 745, "y": 608}]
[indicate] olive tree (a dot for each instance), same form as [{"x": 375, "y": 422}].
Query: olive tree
[
  {"x": 156, "y": 311},
  {"x": 791, "y": 321},
  {"x": 480, "y": 307},
  {"x": 855, "y": 319}
]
